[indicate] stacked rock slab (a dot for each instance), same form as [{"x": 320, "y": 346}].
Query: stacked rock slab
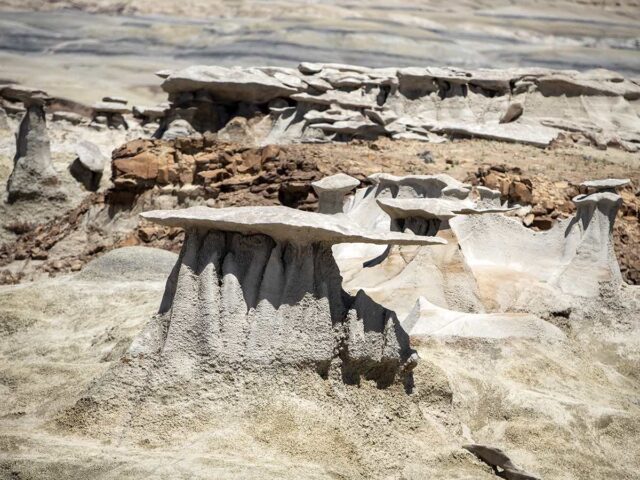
[
  {"x": 340, "y": 102},
  {"x": 257, "y": 287},
  {"x": 33, "y": 175},
  {"x": 110, "y": 112}
]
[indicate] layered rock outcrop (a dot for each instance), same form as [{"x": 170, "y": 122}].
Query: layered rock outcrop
[
  {"x": 205, "y": 168},
  {"x": 322, "y": 102}
]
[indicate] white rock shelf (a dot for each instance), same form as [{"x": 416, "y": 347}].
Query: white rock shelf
[{"x": 284, "y": 224}]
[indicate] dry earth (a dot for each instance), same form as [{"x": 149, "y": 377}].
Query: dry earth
[{"x": 563, "y": 410}]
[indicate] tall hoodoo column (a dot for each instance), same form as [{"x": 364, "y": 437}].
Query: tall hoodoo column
[
  {"x": 258, "y": 287},
  {"x": 33, "y": 175},
  {"x": 589, "y": 253}
]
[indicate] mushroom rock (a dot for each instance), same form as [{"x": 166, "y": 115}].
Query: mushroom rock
[
  {"x": 395, "y": 276},
  {"x": 450, "y": 282},
  {"x": 332, "y": 191},
  {"x": 149, "y": 114},
  {"x": 606, "y": 185},
  {"x": 422, "y": 216},
  {"x": 426, "y": 216},
  {"x": 33, "y": 175},
  {"x": 258, "y": 288},
  {"x": 89, "y": 165},
  {"x": 427, "y": 319},
  {"x": 112, "y": 112}
]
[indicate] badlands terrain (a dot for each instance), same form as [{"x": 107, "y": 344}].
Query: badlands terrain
[{"x": 413, "y": 255}]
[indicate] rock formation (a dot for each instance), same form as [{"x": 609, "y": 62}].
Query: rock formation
[
  {"x": 270, "y": 175},
  {"x": 332, "y": 191},
  {"x": 4, "y": 120},
  {"x": 396, "y": 276},
  {"x": 88, "y": 167},
  {"x": 338, "y": 102},
  {"x": 110, "y": 112},
  {"x": 491, "y": 262},
  {"x": 258, "y": 288},
  {"x": 33, "y": 175},
  {"x": 573, "y": 258}
]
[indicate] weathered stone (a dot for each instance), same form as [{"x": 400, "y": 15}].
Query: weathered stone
[
  {"x": 514, "y": 112},
  {"x": 33, "y": 175},
  {"x": 332, "y": 190},
  {"x": 88, "y": 167},
  {"x": 228, "y": 84}
]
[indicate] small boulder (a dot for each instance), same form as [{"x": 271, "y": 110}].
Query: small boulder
[
  {"x": 88, "y": 167},
  {"x": 177, "y": 129},
  {"x": 514, "y": 111}
]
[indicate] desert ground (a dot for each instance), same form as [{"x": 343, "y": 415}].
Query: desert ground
[{"x": 172, "y": 304}]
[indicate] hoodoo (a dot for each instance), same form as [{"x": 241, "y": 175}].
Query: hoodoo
[
  {"x": 33, "y": 175},
  {"x": 258, "y": 287},
  {"x": 332, "y": 191}
]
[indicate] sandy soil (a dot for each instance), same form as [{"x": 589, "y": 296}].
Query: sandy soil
[{"x": 562, "y": 410}]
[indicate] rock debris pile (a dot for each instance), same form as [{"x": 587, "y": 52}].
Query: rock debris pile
[
  {"x": 324, "y": 102},
  {"x": 203, "y": 167}
]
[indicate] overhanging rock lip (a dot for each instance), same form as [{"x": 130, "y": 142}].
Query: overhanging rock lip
[{"x": 283, "y": 223}]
